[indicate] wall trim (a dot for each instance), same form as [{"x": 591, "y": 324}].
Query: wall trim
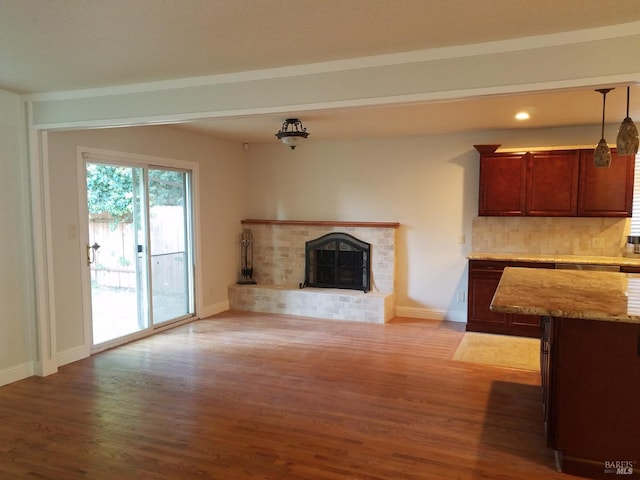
[
  {"x": 431, "y": 314},
  {"x": 16, "y": 373},
  {"x": 42, "y": 248},
  {"x": 214, "y": 309},
  {"x": 71, "y": 355}
]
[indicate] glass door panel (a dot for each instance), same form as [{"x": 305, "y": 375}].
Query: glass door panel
[
  {"x": 119, "y": 273},
  {"x": 170, "y": 245}
]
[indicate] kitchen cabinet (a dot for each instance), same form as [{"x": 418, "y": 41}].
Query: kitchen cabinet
[
  {"x": 606, "y": 192},
  {"x": 502, "y": 183},
  {"x": 553, "y": 183},
  {"x": 484, "y": 277}
]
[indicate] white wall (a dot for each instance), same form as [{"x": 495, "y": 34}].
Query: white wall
[
  {"x": 17, "y": 304},
  {"x": 428, "y": 184},
  {"x": 222, "y": 168}
]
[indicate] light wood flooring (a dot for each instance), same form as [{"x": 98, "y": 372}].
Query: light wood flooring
[{"x": 244, "y": 395}]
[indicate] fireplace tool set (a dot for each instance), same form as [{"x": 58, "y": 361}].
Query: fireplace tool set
[{"x": 246, "y": 258}]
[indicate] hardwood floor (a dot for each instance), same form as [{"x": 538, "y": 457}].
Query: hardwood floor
[{"x": 245, "y": 395}]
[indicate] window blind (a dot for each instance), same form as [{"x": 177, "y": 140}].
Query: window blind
[{"x": 635, "y": 216}]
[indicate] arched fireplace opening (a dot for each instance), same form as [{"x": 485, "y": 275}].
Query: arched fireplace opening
[{"x": 338, "y": 260}]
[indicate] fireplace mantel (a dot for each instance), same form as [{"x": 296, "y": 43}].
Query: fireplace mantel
[{"x": 321, "y": 223}]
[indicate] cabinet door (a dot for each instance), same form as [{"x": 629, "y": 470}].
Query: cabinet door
[
  {"x": 552, "y": 183},
  {"x": 502, "y": 184},
  {"x": 482, "y": 287},
  {"x": 605, "y": 192},
  {"x": 484, "y": 277}
]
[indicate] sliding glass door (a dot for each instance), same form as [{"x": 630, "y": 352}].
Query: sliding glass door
[{"x": 140, "y": 249}]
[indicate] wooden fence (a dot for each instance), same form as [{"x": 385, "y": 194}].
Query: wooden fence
[{"x": 115, "y": 260}]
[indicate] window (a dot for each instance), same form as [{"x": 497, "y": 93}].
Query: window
[{"x": 635, "y": 218}]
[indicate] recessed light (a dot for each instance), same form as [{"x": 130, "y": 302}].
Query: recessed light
[{"x": 522, "y": 116}]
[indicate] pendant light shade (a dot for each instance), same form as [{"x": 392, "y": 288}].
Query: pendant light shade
[
  {"x": 627, "y": 141},
  {"x": 292, "y": 132},
  {"x": 602, "y": 154}
]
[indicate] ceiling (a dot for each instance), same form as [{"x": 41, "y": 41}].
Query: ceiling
[{"x": 67, "y": 45}]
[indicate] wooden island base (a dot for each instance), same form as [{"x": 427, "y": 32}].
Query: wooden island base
[
  {"x": 591, "y": 394},
  {"x": 590, "y": 364}
]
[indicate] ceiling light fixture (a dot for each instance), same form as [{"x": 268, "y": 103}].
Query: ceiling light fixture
[
  {"x": 292, "y": 132},
  {"x": 627, "y": 141},
  {"x": 522, "y": 116},
  {"x": 602, "y": 154}
]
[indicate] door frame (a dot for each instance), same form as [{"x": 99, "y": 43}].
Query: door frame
[{"x": 84, "y": 154}]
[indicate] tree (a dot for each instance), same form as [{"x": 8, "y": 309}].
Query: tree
[{"x": 110, "y": 189}]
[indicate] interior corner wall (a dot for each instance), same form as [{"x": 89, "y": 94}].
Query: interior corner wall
[
  {"x": 17, "y": 283},
  {"x": 222, "y": 170},
  {"x": 428, "y": 184}
]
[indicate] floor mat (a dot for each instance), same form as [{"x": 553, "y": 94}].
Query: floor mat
[{"x": 500, "y": 350}]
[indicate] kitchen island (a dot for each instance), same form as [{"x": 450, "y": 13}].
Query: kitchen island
[
  {"x": 485, "y": 270},
  {"x": 590, "y": 363}
]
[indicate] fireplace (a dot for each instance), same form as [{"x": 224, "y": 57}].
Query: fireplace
[
  {"x": 338, "y": 260},
  {"x": 280, "y": 268}
]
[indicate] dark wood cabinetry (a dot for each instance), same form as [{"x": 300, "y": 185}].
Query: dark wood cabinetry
[
  {"x": 484, "y": 276},
  {"x": 590, "y": 371},
  {"x": 503, "y": 183},
  {"x": 606, "y": 192},
  {"x": 553, "y": 183}
]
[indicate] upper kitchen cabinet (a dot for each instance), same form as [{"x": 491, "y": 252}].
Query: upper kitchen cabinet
[
  {"x": 502, "y": 182},
  {"x": 555, "y": 183},
  {"x": 552, "y": 183},
  {"x": 606, "y": 192}
]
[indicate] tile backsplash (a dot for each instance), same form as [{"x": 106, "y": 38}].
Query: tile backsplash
[{"x": 551, "y": 235}]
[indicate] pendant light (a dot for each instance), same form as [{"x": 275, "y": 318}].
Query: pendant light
[
  {"x": 602, "y": 154},
  {"x": 627, "y": 141},
  {"x": 292, "y": 132}
]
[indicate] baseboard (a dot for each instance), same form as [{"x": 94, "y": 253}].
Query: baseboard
[
  {"x": 431, "y": 314},
  {"x": 406, "y": 312},
  {"x": 13, "y": 374},
  {"x": 79, "y": 353},
  {"x": 214, "y": 309},
  {"x": 71, "y": 355}
]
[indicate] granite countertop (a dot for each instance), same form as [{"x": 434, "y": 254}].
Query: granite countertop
[
  {"x": 556, "y": 258},
  {"x": 607, "y": 296}
]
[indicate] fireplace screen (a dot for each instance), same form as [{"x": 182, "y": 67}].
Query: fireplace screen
[{"x": 337, "y": 260}]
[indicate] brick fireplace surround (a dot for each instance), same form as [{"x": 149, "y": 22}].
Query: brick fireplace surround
[{"x": 279, "y": 263}]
